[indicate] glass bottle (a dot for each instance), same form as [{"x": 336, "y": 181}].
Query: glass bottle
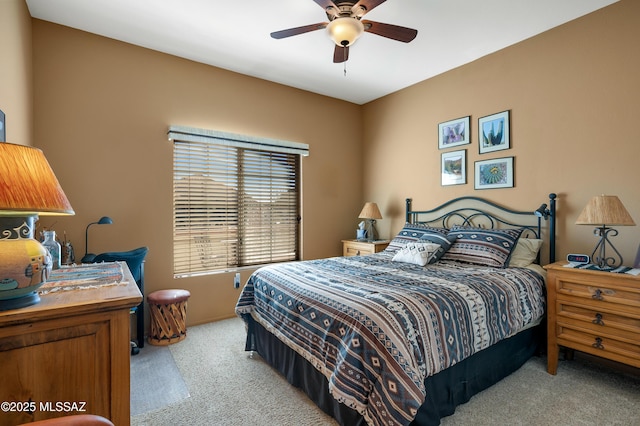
[{"x": 53, "y": 246}]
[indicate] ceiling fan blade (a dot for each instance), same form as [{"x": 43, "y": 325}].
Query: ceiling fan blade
[
  {"x": 394, "y": 32},
  {"x": 298, "y": 30},
  {"x": 340, "y": 54},
  {"x": 369, "y": 5},
  {"x": 325, "y": 3}
]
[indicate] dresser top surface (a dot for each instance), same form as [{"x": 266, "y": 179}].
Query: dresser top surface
[
  {"x": 61, "y": 303},
  {"x": 562, "y": 268}
]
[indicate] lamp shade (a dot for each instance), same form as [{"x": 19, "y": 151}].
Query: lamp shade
[
  {"x": 105, "y": 220},
  {"x": 345, "y": 31},
  {"x": 370, "y": 211},
  {"x": 28, "y": 185},
  {"x": 605, "y": 210}
]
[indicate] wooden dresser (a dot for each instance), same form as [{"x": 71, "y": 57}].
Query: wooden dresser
[
  {"x": 68, "y": 354},
  {"x": 594, "y": 312},
  {"x": 363, "y": 247}
]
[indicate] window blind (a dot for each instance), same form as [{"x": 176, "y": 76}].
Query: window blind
[{"x": 236, "y": 201}]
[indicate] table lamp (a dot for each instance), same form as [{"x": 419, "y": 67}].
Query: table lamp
[
  {"x": 88, "y": 257},
  {"x": 28, "y": 188},
  {"x": 370, "y": 213},
  {"x": 603, "y": 210}
]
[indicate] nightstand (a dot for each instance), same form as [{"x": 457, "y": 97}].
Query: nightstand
[
  {"x": 593, "y": 312},
  {"x": 363, "y": 247}
]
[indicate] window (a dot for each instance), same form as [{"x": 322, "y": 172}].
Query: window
[{"x": 236, "y": 200}]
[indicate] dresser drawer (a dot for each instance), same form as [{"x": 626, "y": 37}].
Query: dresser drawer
[
  {"x": 603, "y": 321},
  {"x": 362, "y": 248},
  {"x": 627, "y": 350},
  {"x": 357, "y": 250},
  {"x": 599, "y": 295}
]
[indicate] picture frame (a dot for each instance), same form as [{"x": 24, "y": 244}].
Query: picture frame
[
  {"x": 454, "y": 132},
  {"x": 494, "y": 173},
  {"x": 494, "y": 132},
  {"x": 3, "y": 127},
  {"x": 454, "y": 168}
]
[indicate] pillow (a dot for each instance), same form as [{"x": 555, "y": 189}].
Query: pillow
[
  {"x": 484, "y": 247},
  {"x": 525, "y": 252},
  {"x": 416, "y": 253},
  {"x": 411, "y": 233},
  {"x": 444, "y": 242}
]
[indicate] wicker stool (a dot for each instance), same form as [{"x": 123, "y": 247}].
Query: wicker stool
[{"x": 168, "y": 311}]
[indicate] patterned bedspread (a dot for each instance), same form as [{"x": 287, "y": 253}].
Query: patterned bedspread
[{"x": 376, "y": 328}]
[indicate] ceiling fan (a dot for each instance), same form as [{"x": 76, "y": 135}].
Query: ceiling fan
[{"x": 346, "y": 25}]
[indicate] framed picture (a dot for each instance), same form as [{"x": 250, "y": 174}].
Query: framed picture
[
  {"x": 454, "y": 167},
  {"x": 3, "y": 131},
  {"x": 496, "y": 173},
  {"x": 454, "y": 133},
  {"x": 493, "y": 132}
]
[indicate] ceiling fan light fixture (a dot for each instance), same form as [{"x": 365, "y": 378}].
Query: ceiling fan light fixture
[{"x": 345, "y": 31}]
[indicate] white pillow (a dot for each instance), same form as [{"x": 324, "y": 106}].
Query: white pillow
[
  {"x": 525, "y": 252},
  {"x": 416, "y": 253}
]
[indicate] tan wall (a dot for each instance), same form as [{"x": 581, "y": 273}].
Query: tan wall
[
  {"x": 574, "y": 97},
  {"x": 102, "y": 111},
  {"x": 16, "y": 72}
]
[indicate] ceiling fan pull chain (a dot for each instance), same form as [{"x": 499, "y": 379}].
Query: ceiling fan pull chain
[{"x": 344, "y": 54}]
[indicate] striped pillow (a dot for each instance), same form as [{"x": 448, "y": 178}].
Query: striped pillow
[
  {"x": 484, "y": 247},
  {"x": 444, "y": 241},
  {"x": 411, "y": 233}
]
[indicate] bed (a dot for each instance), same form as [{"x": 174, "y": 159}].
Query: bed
[{"x": 453, "y": 305}]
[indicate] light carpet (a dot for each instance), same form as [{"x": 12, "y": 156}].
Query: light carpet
[{"x": 227, "y": 388}]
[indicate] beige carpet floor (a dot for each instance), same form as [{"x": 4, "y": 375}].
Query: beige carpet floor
[{"x": 225, "y": 387}]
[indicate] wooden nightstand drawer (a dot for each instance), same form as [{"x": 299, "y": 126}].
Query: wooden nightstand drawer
[
  {"x": 353, "y": 250},
  {"x": 599, "y": 292},
  {"x": 601, "y": 321},
  {"x": 363, "y": 248},
  {"x": 621, "y": 350}
]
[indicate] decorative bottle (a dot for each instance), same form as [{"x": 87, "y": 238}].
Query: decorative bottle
[{"x": 53, "y": 246}]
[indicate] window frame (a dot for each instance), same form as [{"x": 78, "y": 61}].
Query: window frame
[{"x": 255, "y": 170}]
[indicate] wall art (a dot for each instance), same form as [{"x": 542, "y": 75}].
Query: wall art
[
  {"x": 453, "y": 133},
  {"x": 454, "y": 167},
  {"x": 493, "y": 132},
  {"x": 3, "y": 131},
  {"x": 496, "y": 173}
]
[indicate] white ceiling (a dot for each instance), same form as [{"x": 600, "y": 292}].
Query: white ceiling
[{"x": 234, "y": 35}]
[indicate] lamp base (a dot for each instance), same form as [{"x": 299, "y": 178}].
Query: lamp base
[
  {"x": 19, "y": 302},
  {"x": 604, "y": 261},
  {"x": 24, "y": 263},
  {"x": 371, "y": 230}
]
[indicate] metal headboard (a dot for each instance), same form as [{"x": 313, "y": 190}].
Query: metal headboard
[{"x": 478, "y": 212}]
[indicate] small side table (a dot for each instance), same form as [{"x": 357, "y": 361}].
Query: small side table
[
  {"x": 363, "y": 247},
  {"x": 594, "y": 312}
]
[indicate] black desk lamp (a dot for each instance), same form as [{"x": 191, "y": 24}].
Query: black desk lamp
[{"x": 88, "y": 257}]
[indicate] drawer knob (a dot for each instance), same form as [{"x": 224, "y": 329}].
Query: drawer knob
[
  {"x": 597, "y": 295},
  {"x": 598, "y": 343},
  {"x": 358, "y": 253},
  {"x": 598, "y": 319}
]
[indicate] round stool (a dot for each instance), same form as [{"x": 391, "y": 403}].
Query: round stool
[{"x": 168, "y": 312}]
